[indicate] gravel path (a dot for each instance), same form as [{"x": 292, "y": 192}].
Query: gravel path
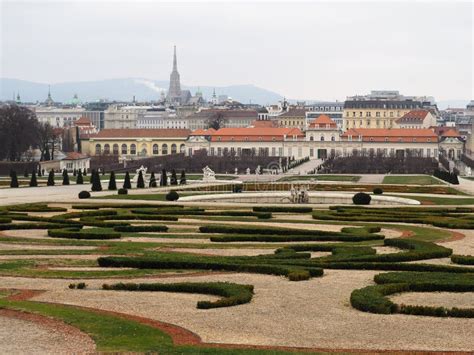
[
  {"x": 463, "y": 246},
  {"x": 314, "y": 313},
  {"x": 25, "y": 336}
]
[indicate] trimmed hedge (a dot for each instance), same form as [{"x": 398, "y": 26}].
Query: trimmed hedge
[
  {"x": 372, "y": 298},
  {"x": 84, "y": 194},
  {"x": 75, "y": 233},
  {"x": 35, "y": 208},
  {"x": 181, "y": 261},
  {"x": 463, "y": 259},
  {"x": 131, "y": 229},
  {"x": 283, "y": 209},
  {"x": 232, "y": 294},
  {"x": 361, "y": 198}
]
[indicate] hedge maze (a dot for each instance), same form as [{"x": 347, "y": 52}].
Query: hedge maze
[{"x": 133, "y": 240}]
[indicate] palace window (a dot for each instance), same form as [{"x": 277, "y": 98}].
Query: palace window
[
  {"x": 133, "y": 149},
  {"x": 155, "y": 149},
  {"x": 115, "y": 149},
  {"x": 182, "y": 148},
  {"x": 107, "y": 149},
  {"x": 124, "y": 149},
  {"x": 98, "y": 149},
  {"x": 164, "y": 149},
  {"x": 174, "y": 149}
]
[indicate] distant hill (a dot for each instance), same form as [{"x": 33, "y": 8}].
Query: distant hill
[{"x": 124, "y": 90}]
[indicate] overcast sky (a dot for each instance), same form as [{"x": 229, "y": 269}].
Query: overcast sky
[{"x": 311, "y": 50}]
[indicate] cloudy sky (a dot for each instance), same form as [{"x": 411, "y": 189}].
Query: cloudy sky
[{"x": 311, "y": 50}]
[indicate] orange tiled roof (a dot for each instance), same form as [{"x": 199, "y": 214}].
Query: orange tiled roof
[
  {"x": 142, "y": 133},
  {"x": 202, "y": 132},
  {"x": 265, "y": 123},
  {"x": 75, "y": 156},
  {"x": 391, "y": 135},
  {"x": 322, "y": 121},
  {"x": 255, "y": 134},
  {"x": 413, "y": 116},
  {"x": 83, "y": 121},
  {"x": 450, "y": 133}
]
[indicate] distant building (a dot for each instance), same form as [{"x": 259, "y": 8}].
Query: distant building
[
  {"x": 379, "y": 109},
  {"x": 133, "y": 143},
  {"x": 293, "y": 118},
  {"x": 416, "y": 119},
  {"x": 332, "y": 109}
]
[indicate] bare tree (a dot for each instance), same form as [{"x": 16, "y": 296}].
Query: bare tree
[
  {"x": 18, "y": 127},
  {"x": 216, "y": 121}
]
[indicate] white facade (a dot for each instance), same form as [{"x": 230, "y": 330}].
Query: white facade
[
  {"x": 59, "y": 117},
  {"x": 116, "y": 117}
]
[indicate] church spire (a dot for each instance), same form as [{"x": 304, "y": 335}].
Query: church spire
[{"x": 175, "y": 62}]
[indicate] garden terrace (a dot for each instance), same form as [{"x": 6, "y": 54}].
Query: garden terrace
[{"x": 168, "y": 256}]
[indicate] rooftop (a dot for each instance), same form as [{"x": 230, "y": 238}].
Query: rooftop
[{"x": 142, "y": 133}]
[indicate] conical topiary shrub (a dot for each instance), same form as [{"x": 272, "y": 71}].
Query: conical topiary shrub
[
  {"x": 91, "y": 178},
  {"x": 33, "y": 181},
  {"x": 182, "y": 180},
  {"x": 140, "y": 181},
  {"x": 152, "y": 180},
  {"x": 50, "y": 178},
  {"x": 112, "y": 183},
  {"x": 84, "y": 173},
  {"x": 65, "y": 177},
  {"x": 14, "y": 179},
  {"x": 174, "y": 178},
  {"x": 96, "y": 184},
  {"x": 79, "y": 178},
  {"x": 164, "y": 178},
  {"x": 126, "y": 183}
]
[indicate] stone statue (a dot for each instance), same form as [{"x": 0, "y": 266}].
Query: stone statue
[
  {"x": 247, "y": 171},
  {"x": 143, "y": 170},
  {"x": 258, "y": 170},
  {"x": 208, "y": 174},
  {"x": 236, "y": 171}
]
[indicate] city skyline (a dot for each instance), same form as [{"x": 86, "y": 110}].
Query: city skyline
[{"x": 282, "y": 49}]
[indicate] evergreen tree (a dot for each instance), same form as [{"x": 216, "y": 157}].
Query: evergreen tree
[
  {"x": 140, "y": 182},
  {"x": 14, "y": 179},
  {"x": 112, "y": 183},
  {"x": 174, "y": 178},
  {"x": 91, "y": 177},
  {"x": 164, "y": 178},
  {"x": 74, "y": 172},
  {"x": 79, "y": 179},
  {"x": 182, "y": 180},
  {"x": 50, "y": 178},
  {"x": 33, "y": 181},
  {"x": 126, "y": 183},
  {"x": 84, "y": 173},
  {"x": 96, "y": 184},
  {"x": 152, "y": 180},
  {"x": 65, "y": 177}
]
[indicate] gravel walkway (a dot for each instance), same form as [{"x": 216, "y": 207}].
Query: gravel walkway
[
  {"x": 25, "y": 336},
  {"x": 314, "y": 313}
]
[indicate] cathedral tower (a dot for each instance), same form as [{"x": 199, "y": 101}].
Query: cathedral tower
[{"x": 174, "y": 92}]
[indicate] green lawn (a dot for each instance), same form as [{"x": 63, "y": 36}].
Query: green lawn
[
  {"x": 411, "y": 180},
  {"x": 351, "y": 178}
]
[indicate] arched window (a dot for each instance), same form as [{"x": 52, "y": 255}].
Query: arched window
[
  {"x": 124, "y": 149},
  {"x": 182, "y": 148},
  {"x": 98, "y": 149},
  {"x": 322, "y": 138},
  {"x": 115, "y": 149},
  {"x": 155, "y": 149},
  {"x": 164, "y": 149},
  {"x": 133, "y": 149},
  {"x": 174, "y": 149},
  {"x": 311, "y": 138},
  {"x": 333, "y": 138},
  {"x": 107, "y": 149}
]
